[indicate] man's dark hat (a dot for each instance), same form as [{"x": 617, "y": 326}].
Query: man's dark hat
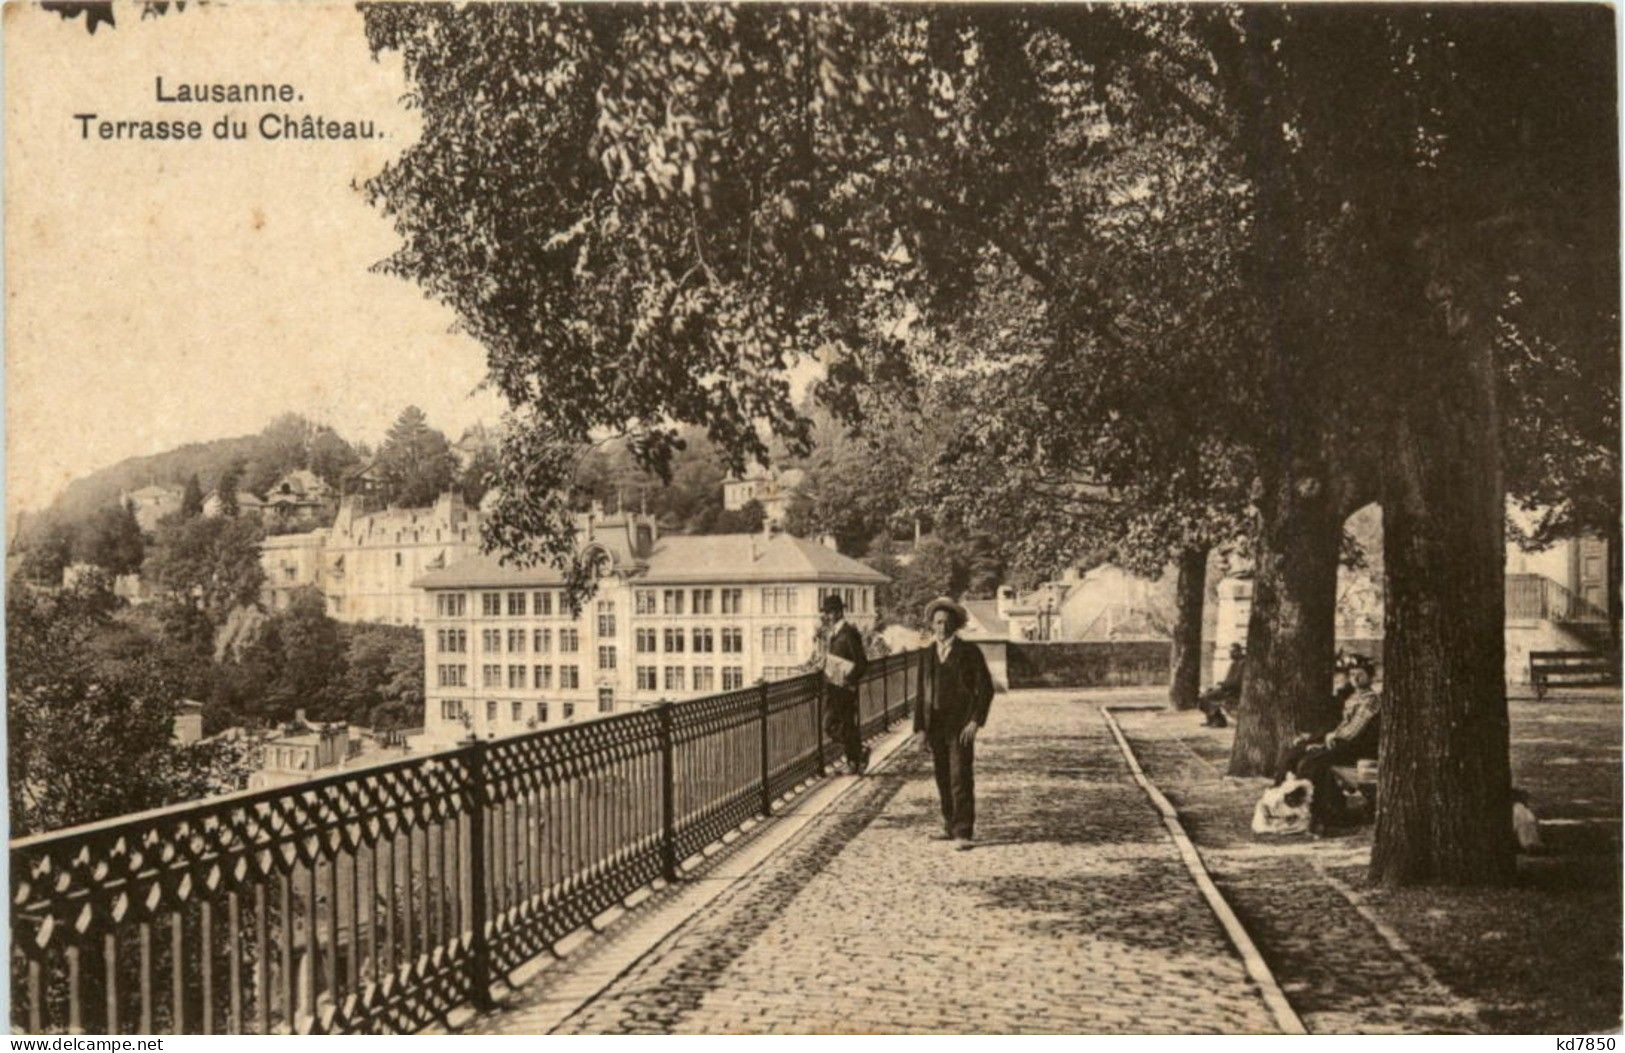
[{"x": 832, "y": 604}]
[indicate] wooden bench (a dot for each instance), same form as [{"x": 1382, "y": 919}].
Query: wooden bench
[
  {"x": 1351, "y": 779},
  {"x": 1548, "y": 669}
]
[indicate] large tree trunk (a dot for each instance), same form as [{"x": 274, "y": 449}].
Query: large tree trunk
[
  {"x": 1444, "y": 813},
  {"x": 1185, "y": 656},
  {"x": 1286, "y": 687}
]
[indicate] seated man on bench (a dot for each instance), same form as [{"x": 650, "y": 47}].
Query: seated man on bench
[
  {"x": 1226, "y": 693},
  {"x": 1353, "y": 740}
]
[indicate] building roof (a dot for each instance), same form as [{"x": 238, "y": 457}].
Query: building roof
[
  {"x": 154, "y": 492},
  {"x": 309, "y": 539},
  {"x": 985, "y": 620},
  {"x": 683, "y": 558},
  {"x": 753, "y": 557},
  {"x": 487, "y": 570}
]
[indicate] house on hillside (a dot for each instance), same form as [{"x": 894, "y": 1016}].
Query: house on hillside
[
  {"x": 771, "y": 488},
  {"x": 247, "y": 504},
  {"x": 152, "y": 503},
  {"x": 300, "y": 494}
]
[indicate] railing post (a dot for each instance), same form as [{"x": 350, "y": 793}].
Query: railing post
[
  {"x": 885, "y": 694},
  {"x": 668, "y": 796},
  {"x": 818, "y": 722},
  {"x": 767, "y": 791},
  {"x": 479, "y": 939}
]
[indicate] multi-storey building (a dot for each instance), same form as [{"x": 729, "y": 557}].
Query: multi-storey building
[
  {"x": 671, "y": 618},
  {"x": 291, "y": 562},
  {"x": 371, "y": 559},
  {"x": 366, "y": 562}
]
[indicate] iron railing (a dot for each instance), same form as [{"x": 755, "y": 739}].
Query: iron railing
[{"x": 381, "y": 898}]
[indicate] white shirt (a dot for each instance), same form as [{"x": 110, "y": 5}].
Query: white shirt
[{"x": 944, "y": 648}]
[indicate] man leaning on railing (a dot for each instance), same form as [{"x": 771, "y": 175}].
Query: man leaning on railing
[{"x": 844, "y": 665}]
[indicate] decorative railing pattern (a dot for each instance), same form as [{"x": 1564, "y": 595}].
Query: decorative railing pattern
[{"x": 379, "y": 899}]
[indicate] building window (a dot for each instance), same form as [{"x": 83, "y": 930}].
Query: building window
[
  {"x": 569, "y": 640},
  {"x": 767, "y": 640},
  {"x": 732, "y": 601},
  {"x": 541, "y": 712},
  {"x": 516, "y": 678},
  {"x": 645, "y": 601},
  {"x": 646, "y": 641},
  {"x": 542, "y": 604},
  {"x": 733, "y": 640},
  {"x": 491, "y": 711},
  {"x": 491, "y": 604},
  {"x": 672, "y": 601},
  {"x": 733, "y": 677},
  {"x": 778, "y": 599},
  {"x": 543, "y": 640},
  {"x": 451, "y": 604},
  {"x": 606, "y": 700},
  {"x": 518, "y": 712},
  {"x": 451, "y": 709},
  {"x": 606, "y": 657},
  {"x": 516, "y": 641},
  {"x": 646, "y": 678},
  {"x": 674, "y": 641},
  {"x": 491, "y": 640},
  {"x": 569, "y": 677},
  {"x": 674, "y": 678},
  {"x": 606, "y": 617},
  {"x": 704, "y": 641},
  {"x": 847, "y": 599},
  {"x": 544, "y": 677},
  {"x": 453, "y": 676},
  {"x": 491, "y": 676},
  {"x": 516, "y": 605},
  {"x": 705, "y": 678},
  {"x": 702, "y": 601},
  {"x": 790, "y": 641},
  {"x": 569, "y": 710}
]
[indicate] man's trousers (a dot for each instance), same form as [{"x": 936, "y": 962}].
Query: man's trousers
[
  {"x": 956, "y": 782},
  {"x": 841, "y": 723}
]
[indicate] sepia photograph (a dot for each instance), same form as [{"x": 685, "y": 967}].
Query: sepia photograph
[{"x": 920, "y": 519}]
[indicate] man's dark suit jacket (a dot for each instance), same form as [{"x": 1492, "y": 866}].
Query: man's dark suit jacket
[
  {"x": 960, "y": 690},
  {"x": 848, "y": 643}
]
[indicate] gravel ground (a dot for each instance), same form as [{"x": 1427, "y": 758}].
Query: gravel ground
[{"x": 1540, "y": 957}]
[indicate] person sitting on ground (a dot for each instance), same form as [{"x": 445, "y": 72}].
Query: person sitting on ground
[
  {"x": 1226, "y": 692},
  {"x": 1353, "y": 740}
]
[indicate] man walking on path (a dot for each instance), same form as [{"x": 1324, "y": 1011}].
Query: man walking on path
[
  {"x": 948, "y": 715},
  {"x": 844, "y": 666}
]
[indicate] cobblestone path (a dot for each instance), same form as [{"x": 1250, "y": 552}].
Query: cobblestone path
[{"x": 1072, "y": 914}]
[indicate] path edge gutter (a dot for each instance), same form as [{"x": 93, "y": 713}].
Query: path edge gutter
[{"x": 1285, "y": 1016}]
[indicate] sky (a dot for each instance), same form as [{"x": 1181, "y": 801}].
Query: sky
[{"x": 161, "y": 293}]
